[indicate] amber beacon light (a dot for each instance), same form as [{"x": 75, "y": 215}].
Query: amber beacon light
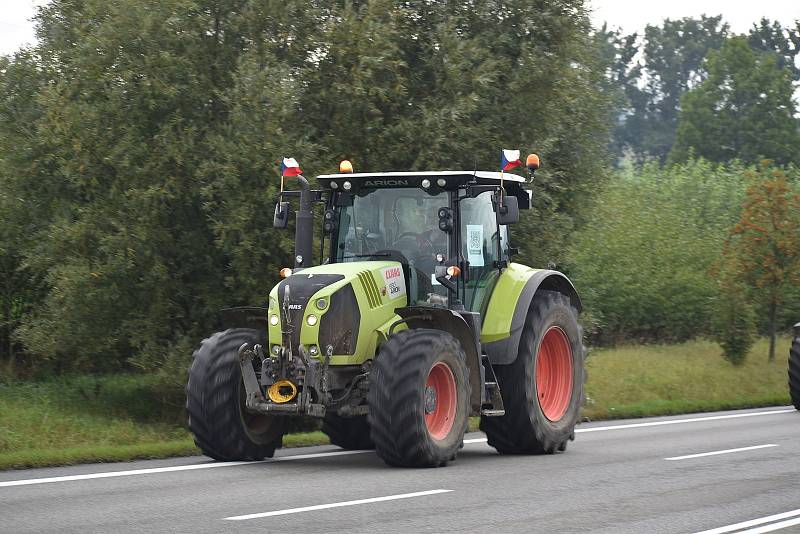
[
  {"x": 532, "y": 162},
  {"x": 345, "y": 166}
]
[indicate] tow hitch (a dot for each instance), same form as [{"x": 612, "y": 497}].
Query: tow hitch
[{"x": 281, "y": 392}]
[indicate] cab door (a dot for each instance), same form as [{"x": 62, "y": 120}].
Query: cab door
[{"x": 484, "y": 244}]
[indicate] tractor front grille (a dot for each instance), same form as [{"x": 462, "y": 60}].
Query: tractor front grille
[
  {"x": 300, "y": 288},
  {"x": 339, "y": 326}
]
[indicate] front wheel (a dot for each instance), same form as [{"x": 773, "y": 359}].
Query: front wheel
[
  {"x": 794, "y": 369},
  {"x": 419, "y": 399},
  {"x": 543, "y": 388},
  {"x": 215, "y": 400}
]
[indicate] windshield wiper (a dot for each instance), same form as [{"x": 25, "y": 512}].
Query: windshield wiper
[{"x": 376, "y": 255}]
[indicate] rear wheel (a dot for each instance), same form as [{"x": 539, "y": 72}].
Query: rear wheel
[
  {"x": 348, "y": 432},
  {"x": 215, "y": 400},
  {"x": 419, "y": 398},
  {"x": 543, "y": 388},
  {"x": 794, "y": 370}
]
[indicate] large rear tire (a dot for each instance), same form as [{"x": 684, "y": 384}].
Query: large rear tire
[
  {"x": 543, "y": 388},
  {"x": 419, "y": 399},
  {"x": 348, "y": 432},
  {"x": 794, "y": 370},
  {"x": 221, "y": 426}
]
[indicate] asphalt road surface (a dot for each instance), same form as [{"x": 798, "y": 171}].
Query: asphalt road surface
[{"x": 718, "y": 472}]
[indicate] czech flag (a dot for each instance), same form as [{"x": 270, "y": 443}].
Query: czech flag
[
  {"x": 509, "y": 160},
  {"x": 290, "y": 167}
]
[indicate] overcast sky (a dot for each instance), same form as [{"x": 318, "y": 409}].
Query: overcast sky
[{"x": 16, "y": 29}]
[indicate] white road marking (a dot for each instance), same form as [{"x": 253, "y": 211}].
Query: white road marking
[
  {"x": 110, "y": 474},
  {"x": 190, "y": 467},
  {"x": 726, "y": 451},
  {"x": 660, "y": 423},
  {"x": 336, "y": 505},
  {"x": 755, "y": 522},
  {"x": 773, "y": 526},
  {"x": 680, "y": 421}
]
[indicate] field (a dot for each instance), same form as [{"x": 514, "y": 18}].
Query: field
[{"x": 122, "y": 417}]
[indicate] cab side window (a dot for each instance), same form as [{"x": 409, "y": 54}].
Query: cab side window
[{"x": 481, "y": 239}]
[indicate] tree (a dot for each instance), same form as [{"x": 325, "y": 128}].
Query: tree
[
  {"x": 616, "y": 53},
  {"x": 744, "y": 109},
  {"x": 673, "y": 56},
  {"x": 763, "y": 248},
  {"x": 769, "y": 36}
]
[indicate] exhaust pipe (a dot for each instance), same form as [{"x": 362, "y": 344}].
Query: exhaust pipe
[{"x": 304, "y": 226}]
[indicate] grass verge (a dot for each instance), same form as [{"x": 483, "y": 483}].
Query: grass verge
[{"x": 124, "y": 417}]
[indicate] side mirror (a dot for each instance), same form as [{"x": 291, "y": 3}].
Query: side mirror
[
  {"x": 281, "y": 218},
  {"x": 508, "y": 213}
]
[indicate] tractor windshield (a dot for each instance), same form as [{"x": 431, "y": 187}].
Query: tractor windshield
[{"x": 396, "y": 223}]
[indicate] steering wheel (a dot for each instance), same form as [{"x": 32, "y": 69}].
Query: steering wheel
[{"x": 422, "y": 241}]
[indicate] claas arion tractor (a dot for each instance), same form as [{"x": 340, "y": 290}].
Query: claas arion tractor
[{"x": 415, "y": 319}]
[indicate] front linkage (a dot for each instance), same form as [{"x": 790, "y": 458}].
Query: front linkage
[{"x": 296, "y": 385}]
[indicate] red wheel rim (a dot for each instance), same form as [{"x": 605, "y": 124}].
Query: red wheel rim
[
  {"x": 554, "y": 373},
  {"x": 440, "y": 401}
]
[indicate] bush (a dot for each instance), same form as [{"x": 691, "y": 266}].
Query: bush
[
  {"x": 734, "y": 323},
  {"x": 641, "y": 261}
]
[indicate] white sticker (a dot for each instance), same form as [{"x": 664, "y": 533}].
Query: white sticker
[
  {"x": 475, "y": 245},
  {"x": 395, "y": 283}
]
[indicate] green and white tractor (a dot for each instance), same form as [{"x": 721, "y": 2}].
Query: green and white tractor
[{"x": 415, "y": 319}]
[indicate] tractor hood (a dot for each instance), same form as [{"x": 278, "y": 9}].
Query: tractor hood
[{"x": 337, "y": 308}]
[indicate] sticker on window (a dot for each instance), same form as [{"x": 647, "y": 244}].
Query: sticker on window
[
  {"x": 475, "y": 245},
  {"x": 395, "y": 283}
]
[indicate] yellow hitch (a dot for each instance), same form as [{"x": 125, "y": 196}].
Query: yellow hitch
[{"x": 282, "y": 391}]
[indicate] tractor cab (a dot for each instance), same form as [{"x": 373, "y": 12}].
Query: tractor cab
[{"x": 447, "y": 229}]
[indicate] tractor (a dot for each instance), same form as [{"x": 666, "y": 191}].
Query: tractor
[{"x": 414, "y": 319}]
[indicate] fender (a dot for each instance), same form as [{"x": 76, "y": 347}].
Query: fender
[
  {"x": 253, "y": 317},
  {"x": 458, "y": 325},
  {"x": 518, "y": 284}
]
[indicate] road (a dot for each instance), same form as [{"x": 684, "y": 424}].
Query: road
[{"x": 729, "y": 471}]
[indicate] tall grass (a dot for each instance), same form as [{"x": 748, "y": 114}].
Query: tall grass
[{"x": 637, "y": 381}]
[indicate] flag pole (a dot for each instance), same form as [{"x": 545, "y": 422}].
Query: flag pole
[
  {"x": 502, "y": 189},
  {"x": 281, "y": 171}
]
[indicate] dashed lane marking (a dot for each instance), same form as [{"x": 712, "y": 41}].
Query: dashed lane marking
[{"x": 336, "y": 505}]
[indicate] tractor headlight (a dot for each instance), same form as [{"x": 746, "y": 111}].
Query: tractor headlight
[
  {"x": 321, "y": 304},
  {"x": 311, "y": 320},
  {"x": 273, "y": 320}
]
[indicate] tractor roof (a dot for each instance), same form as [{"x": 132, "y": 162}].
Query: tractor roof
[{"x": 480, "y": 176}]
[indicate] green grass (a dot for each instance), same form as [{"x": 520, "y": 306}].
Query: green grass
[
  {"x": 639, "y": 381},
  {"x": 125, "y": 417}
]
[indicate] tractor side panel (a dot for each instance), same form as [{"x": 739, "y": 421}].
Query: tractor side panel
[{"x": 509, "y": 304}]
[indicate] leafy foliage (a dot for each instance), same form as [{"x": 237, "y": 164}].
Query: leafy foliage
[
  {"x": 763, "y": 249},
  {"x": 642, "y": 258},
  {"x": 648, "y": 75},
  {"x": 734, "y": 320},
  {"x": 744, "y": 109},
  {"x": 139, "y": 144}
]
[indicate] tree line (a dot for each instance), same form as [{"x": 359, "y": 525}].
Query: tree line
[
  {"x": 692, "y": 88},
  {"x": 140, "y": 140},
  {"x": 139, "y": 144}
]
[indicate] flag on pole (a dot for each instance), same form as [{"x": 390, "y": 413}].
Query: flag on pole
[
  {"x": 290, "y": 167},
  {"x": 509, "y": 160}
]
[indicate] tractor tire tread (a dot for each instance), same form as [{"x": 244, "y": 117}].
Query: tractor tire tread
[{"x": 212, "y": 401}]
